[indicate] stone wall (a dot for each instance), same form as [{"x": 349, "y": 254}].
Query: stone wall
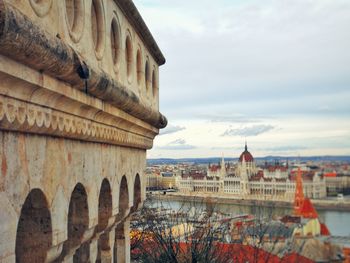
[{"x": 78, "y": 110}]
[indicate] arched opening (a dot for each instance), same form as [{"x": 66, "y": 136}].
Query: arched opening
[
  {"x": 138, "y": 67},
  {"x": 34, "y": 230},
  {"x": 154, "y": 83},
  {"x": 137, "y": 192},
  {"x": 115, "y": 40},
  {"x": 120, "y": 246},
  {"x": 123, "y": 197},
  {"x": 75, "y": 18},
  {"x": 147, "y": 75},
  {"x": 104, "y": 213},
  {"x": 78, "y": 223},
  {"x": 97, "y": 26},
  {"x": 128, "y": 56},
  {"x": 104, "y": 205}
]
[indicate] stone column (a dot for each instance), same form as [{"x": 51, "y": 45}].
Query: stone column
[
  {"x": 122, "y": 242},
  {"x": 104, "y": 248},
  {"x": 93, "y": 250}
]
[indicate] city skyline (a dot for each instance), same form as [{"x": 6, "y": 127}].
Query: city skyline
[{"x": 273, "y": 73}]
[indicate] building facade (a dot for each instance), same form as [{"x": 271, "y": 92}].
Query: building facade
[
  {"x": 78, "y": 110},
  {"x": 246, "y": 181}
]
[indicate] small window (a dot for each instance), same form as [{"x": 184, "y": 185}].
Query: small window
[
  {"x": 115, "y": 41},
  {"x": 75, "y": 18},
  {"x": 138, "y": 66},
  {"x": 97, "y": 27},
  {"x": 128, "y": 56},
  {"x": 147, "y": 75},
  {"x": 154, "y": 83}
]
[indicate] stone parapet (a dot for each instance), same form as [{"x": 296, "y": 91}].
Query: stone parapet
[
  {"x": 135, "y": 18},
  {"x": 24, "y": 41}
]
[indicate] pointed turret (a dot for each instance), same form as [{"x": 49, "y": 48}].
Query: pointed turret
[
  {"x": 222, "y": 160},
  {"x": 299, "y": 194},
  {"x": 223, "y": 167}
]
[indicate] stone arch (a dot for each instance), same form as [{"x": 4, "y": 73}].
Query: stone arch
[
  {"x": 98, "y": 27},
  {"x": 147, "y": 74},
  {"x": 75, "y": 18},
  {"x": 123, "y": 197},
  {"x": 120, "y": 243},
  {"x": 104, "y": 213},
  {"x": 137, "y": 192},
  {"x": 128, "y": 56},
  {"x": 78, "y": 223},
  {"x": 115, "y": 41},
  {"x": 104, "y": 204},
  {"x": 154, "y": 83},
  {"x": 34, "y": 229},
  {"x": 139, "y": 66}
]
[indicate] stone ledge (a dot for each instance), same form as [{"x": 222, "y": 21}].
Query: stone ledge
[
  {"x": 27, "y": 43},
  {"x": 26, "y": 84}
]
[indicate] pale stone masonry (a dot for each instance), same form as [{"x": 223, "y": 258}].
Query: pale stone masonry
[{"x": 79, "y": 100}]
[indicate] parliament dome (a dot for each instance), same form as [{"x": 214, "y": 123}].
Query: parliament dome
[{"x": 248, "y": 157}]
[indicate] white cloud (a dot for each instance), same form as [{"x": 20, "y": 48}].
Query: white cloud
[
  {"x": 248, "y": 62},
  {"x": 171, "y": 129},
  {"x": 178, "y": 144},
  {"x": 254, "y": 130}
]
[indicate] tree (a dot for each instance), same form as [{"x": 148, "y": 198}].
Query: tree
[{"x": 197, "y": 232}]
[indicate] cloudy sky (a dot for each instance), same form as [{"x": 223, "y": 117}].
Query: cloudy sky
[{"x": 274, "y": 72}]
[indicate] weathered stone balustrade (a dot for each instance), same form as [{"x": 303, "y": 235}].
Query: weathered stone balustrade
[{"x": 78, "y": 109}]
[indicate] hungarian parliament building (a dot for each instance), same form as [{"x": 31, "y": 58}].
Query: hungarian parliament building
[{"x": 247, "y": 181}]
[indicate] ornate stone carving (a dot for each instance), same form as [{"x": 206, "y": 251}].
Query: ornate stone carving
[
  {"x": 21, "y": 116},
  {"x": 26, "y": 42}
]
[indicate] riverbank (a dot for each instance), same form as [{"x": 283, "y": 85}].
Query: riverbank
[{"x": 320, "y": 204}]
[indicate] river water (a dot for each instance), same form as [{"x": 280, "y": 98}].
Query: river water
[{"x": 338, "y": 222}]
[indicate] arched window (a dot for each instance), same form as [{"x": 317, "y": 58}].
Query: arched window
[
  {"x": 128, "y": 57},
  {"x": 75, "y": 18},
  {"x": 34, "y": 230},
  {"x": 138, "y": 66},
  {"x": 137, "y": 192},
  {"x": 147, "y": 75},
  {"x": 97, "y": 26},
  {"x": 78, "y": 223},
  {"x": 154, "y": 83},
  {"x": 104, "y": 213},
  {"x": 115, "y": 40}
]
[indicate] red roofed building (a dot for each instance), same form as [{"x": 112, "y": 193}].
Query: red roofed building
[
  {"x": 304, "y": 208},
  {"x": 246, "y": 155},
  {"x": 308, "y": 210},
  {"x": 324, "y": 230},
  {"x": 333, "y": 174}
]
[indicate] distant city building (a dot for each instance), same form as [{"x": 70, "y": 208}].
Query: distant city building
[
  {"x": 248, "y": 181},
  {"x": 156, "y": 180}
]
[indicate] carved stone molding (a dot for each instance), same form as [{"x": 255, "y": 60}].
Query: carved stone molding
[
  {"x": 24, "y": 41},
  {"x": 21, "y": 116}
]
